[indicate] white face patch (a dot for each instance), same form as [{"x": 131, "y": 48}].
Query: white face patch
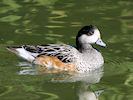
[{"x": 90, "y": 39}]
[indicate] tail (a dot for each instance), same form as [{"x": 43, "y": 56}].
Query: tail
[{"x": 21, "y": 52}]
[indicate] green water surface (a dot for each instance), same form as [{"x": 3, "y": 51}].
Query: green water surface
[{"x": 58, "y": 21}]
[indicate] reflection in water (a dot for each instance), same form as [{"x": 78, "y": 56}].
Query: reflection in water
[
  {"x": 85, "y": 93},
  {"x": 27, "y": 69},
  {"x": 9, "y": 5},
  {"x": 47, "y": 3},
  {"x": 84, "y": 90},
  {"x": 61, "y": 14},
  {"x": 129, "y": 80},
  {"x": 7, "y": 89},
  {"x": 55, "y": 18}
]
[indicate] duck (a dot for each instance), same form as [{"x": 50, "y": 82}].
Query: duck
[{"x": 80, "y": 59}]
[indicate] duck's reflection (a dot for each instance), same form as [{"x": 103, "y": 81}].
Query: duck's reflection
[
  {"x": 85, "y": 92},
  {"x": 85, "y": 79}
]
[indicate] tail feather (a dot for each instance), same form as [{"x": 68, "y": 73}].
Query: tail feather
[
  {"x": 12, "y": 49},
  {"x": 20, "y": 51}
]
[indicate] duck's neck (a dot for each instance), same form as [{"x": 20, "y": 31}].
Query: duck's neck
[{"x": 83, "y": 47}]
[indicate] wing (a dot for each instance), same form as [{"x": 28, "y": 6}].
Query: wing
[{"x": 63, "y": 52}]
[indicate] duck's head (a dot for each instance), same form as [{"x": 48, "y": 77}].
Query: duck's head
[{"x": 89, "y": 35}]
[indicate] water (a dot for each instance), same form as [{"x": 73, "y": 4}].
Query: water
[{"x": 54, "y": 21}]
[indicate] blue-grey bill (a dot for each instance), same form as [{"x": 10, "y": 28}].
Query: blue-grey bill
[{"x": 100, "y": 42}]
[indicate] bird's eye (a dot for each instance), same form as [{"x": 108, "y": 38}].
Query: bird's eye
[{"x": 91, "y": 33}]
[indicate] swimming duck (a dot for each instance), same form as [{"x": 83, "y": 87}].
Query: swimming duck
[{"x": 82, "y": 58}]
